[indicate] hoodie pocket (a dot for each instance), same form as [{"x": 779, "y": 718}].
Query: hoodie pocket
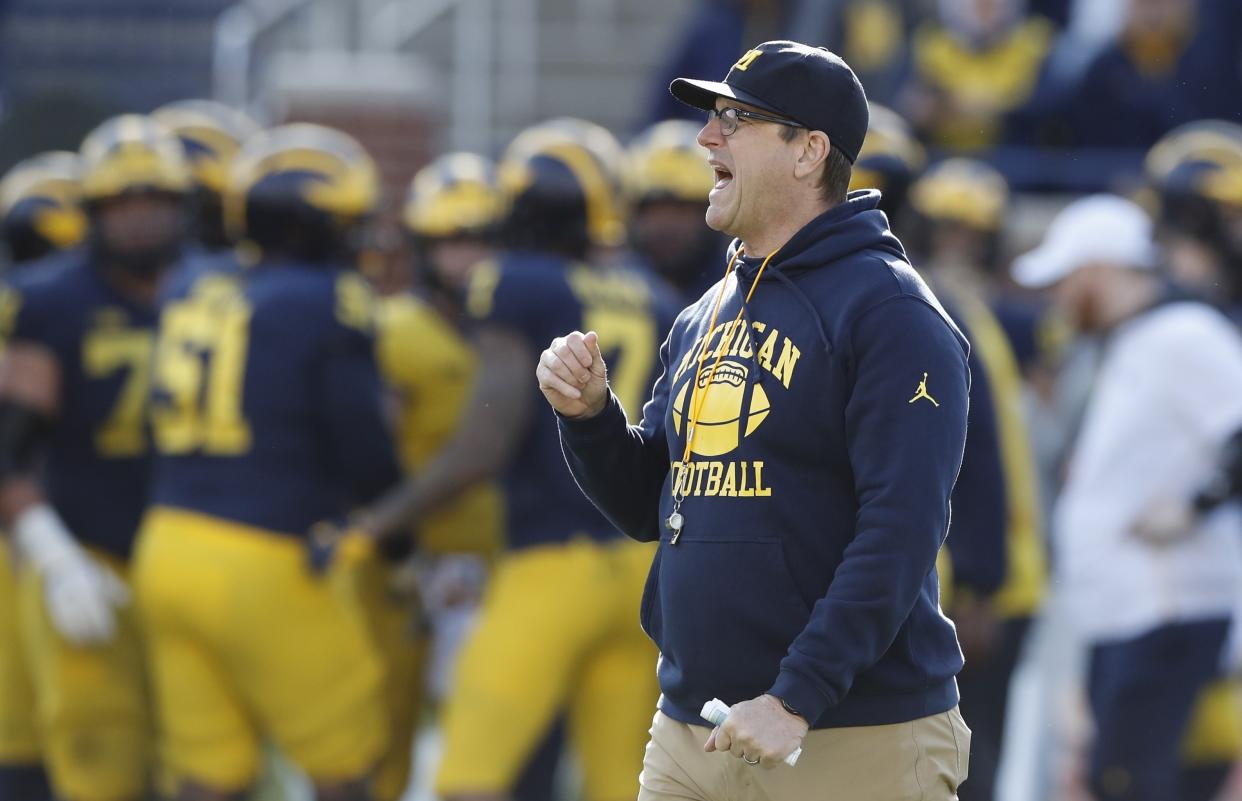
[{"x": 729, "y": 611}]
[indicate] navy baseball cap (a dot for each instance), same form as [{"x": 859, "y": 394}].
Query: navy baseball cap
[{"x": 809, "y": 85}]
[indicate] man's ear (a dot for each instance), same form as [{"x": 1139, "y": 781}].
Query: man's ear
[{"x": 814, "y": 152}]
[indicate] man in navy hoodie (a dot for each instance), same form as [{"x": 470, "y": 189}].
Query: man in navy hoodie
[{"x": 795, "y": 463}]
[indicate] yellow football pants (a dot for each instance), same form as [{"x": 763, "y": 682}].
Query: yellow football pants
[
  {"x": 19, "y": 734},
  {"x": 403, "y": 647},
  {"x": 246, "y": 643},
  {"x": 92, "y": 703},
  {"x": 558, "y": 630}
]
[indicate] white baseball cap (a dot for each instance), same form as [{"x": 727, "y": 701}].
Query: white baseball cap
[{"x": 1098, "y": 228}]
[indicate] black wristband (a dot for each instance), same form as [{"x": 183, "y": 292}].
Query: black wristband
[
  {"x": 23, "y": 431},
  {"x": 785, "y": 705}
]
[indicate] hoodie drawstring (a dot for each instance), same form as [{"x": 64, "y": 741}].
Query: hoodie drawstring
[{"x": 754, "y": 375}]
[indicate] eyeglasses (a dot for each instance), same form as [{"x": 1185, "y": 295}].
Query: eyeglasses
[{"x": 730, "y": 116}]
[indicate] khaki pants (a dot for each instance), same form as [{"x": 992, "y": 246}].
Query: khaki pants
[{"x": 921, "y": 760}]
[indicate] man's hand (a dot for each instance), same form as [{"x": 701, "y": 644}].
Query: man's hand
[
  {"x": 1166, "y": 521},
  {"x": 572, "y": 375},
  {"x": 759, "y": 731}
]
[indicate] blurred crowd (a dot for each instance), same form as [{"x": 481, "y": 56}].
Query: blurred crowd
[
  {"x": 1009, "y": 81},
  {"x": 1092, "y": 511}
]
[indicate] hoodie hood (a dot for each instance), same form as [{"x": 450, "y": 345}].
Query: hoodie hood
[{"x": 838, "y": 233}]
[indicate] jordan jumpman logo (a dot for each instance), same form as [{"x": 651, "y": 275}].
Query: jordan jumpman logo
[{"x": 922, "y": 392}]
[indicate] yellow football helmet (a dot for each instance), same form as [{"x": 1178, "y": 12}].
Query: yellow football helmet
[
  {"x": 964, "y": 191},
  {"x": 301, "y": 189},
  {"x": 595, "y": 157},
  {"x": 211, "y": 133},
  {"x": 592, "y": 136},
  {"x": 132, "y": 153},
  {"x": 666, "y": 162},
  {"x": 455, "y": 195},
  {"x": 1200, "y": 159},
  {"x": 890, "y": 159},
  {"x": 40, "y": 209}
]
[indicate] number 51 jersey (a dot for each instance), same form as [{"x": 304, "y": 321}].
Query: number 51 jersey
[
  {"x": 98, "y": 456},
  {"x": 267, "y": 403}
]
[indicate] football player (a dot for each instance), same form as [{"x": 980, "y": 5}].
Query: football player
[
  {"x": 1196, "y": 171},
  {"x": 559, "y": 613},
  {"x": 450, "y": 216},
  {"x": 75, "y": 456},
  {"x": 40, "y": 214},
  {"x": 668, "y": 181},
  {"x": 266, "y": 412},
  {"x": 211, "y": 134},
  {"x": 606, "y": 222}
]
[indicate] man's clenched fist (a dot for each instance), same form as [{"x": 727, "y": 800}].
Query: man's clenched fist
[
  {"x": 572, "y": 375},
  {"x": 758, "y": 731}
]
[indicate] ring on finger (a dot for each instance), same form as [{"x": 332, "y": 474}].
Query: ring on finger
[{"x": 748, "y": 762}]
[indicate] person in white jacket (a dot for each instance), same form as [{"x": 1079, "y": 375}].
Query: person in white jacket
[{"x": 1148, "y": 556}]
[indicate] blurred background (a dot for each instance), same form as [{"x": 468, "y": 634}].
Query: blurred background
[
  {"x": 991, "y": 116},
  {"x": 1060, "y": 95}
]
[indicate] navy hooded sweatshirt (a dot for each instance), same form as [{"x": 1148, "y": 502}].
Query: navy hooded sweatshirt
[{"x": 818, "y": 493}]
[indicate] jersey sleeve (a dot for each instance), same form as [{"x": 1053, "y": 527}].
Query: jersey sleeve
[
  {"x": 527, "y": 302},
  {"x": 35, "y": 313}
]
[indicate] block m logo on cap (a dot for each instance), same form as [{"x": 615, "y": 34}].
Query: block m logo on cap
[{"x": 745, "y": 61}]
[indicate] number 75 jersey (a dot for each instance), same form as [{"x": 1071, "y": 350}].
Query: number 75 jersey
[
  {"x": 267, "y": 405},
  {"x": 98, "y": 457},
  {"x": 539, "y": 297}
]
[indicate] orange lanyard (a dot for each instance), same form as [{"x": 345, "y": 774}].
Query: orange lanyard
[{"x": 676, "y": 520}]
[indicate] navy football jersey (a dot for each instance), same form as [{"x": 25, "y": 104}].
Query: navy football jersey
[
  {"x": 99, "y": 456},
  {"x": 540, "y": 297},
  {"x": 267, "y": 402},
  {"x": 196, "y": 262}
]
